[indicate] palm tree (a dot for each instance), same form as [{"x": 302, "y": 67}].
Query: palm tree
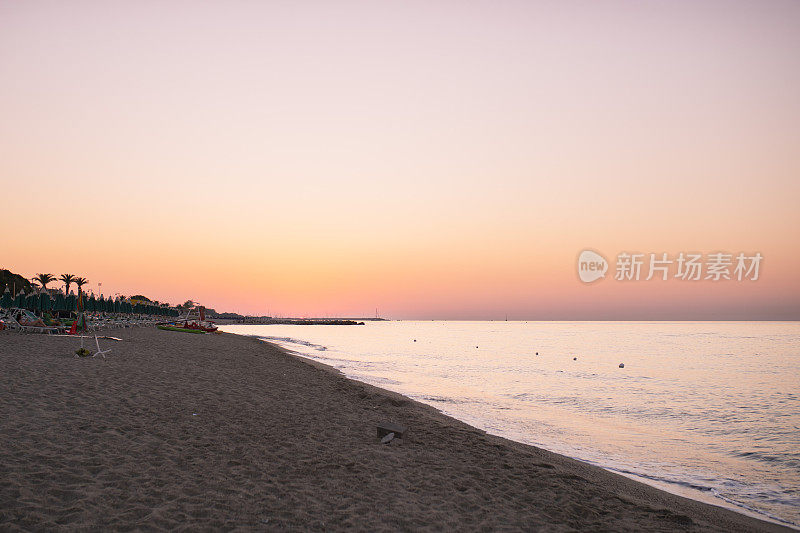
[
  {"x": 44, "y": 279},
  {"x": 68, "y": 280},
  {"x": 80, "y": 282}
]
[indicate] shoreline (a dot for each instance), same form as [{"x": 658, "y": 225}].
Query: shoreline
[
  {"x": 710, "y": 501},
  {"x": 222, "y": 431},
  {"x": 688, "y": 461}
]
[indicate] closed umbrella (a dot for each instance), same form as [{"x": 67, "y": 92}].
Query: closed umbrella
[
  {"x": 100, "y": 304},
  {"x": 117, "y": 306},
  {"x": 71, "y": 303},
  {"x": 32, "y": 302},
  {"x": 59, "y": 302},
  {"x": 91, "y": 304},
  {"x": 6, "y": 300},
  {"x": 80, "y": 321},
  {"x": 44, "y": 301}
]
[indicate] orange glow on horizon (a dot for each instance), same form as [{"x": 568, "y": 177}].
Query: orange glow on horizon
[{"x": 443, "y": 161}]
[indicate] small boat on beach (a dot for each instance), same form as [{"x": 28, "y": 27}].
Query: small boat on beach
[{"x": 194, "y": 321}]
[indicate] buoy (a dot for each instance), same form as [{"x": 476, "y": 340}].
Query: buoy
[{"x": 622, "y": 365}]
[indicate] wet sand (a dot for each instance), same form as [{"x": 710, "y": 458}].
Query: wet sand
[{"x": 217, "y": 432}]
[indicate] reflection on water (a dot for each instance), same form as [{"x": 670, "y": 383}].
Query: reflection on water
[{"x": 710, "y": 410}]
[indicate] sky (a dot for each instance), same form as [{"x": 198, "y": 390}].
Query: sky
[{"x": 426, "y": 159}]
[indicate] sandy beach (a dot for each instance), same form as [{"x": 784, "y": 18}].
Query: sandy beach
[{"x": 219, "y": 432}]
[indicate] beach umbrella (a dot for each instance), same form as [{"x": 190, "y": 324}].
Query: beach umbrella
[
  {"x": 80, "y": 321},
  {"x": 59, "y": 302},
  {"x": 45, "y": 303},
  {"x": 32, "y": 302},
  {"x": 6, "y": 300},
  {"x": 71, "y": 302}
]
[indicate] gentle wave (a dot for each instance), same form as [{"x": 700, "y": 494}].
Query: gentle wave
[{"x": 290, "y": 340}]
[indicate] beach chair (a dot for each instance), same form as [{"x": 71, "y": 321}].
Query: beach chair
[{"x": 12, "y": 322}]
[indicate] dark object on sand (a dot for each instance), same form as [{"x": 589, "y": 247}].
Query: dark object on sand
[
  {"x": 574, "y": 358},
  {"x": 622, "y": 365},
  {"x": 82, "y": 352},
  {"x": 384, "y": 428},
  {"x": 175, "y": 328}
]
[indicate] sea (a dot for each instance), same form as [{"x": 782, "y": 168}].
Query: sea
[{"x": 706, "y": 410}]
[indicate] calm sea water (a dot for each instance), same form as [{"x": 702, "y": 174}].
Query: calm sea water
[{"x": 708, "y": 410}]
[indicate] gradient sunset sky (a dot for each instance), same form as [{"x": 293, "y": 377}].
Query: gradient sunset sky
[{"x": 432, "y": 159}]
